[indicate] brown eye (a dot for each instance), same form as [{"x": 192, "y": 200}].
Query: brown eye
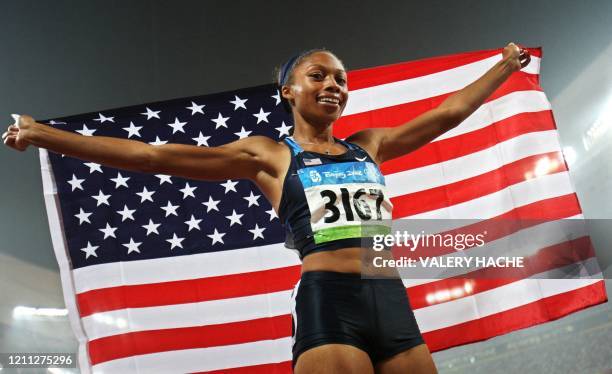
[{"x": 317, "y": 76}]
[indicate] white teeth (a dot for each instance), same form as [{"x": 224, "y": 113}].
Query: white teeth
[{"x": 329, "y": 100}]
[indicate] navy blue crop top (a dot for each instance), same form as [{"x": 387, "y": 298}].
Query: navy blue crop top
[{"x": 331, "y": 202}]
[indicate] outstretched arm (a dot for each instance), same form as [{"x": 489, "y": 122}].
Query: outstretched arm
[
  {"x": 243, "y": 158},
  {"x": 388, "y": 143}
]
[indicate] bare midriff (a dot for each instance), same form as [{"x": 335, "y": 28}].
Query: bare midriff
[{"x": 349, "y": 260}]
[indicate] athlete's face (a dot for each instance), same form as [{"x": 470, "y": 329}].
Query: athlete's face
[{"x": 318, "y": 91}]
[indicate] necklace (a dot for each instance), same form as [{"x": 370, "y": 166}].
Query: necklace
[{"x": 326, "y": 150}]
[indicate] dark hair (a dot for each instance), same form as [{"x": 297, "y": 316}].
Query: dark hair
[{"x": 283, "y": 75}]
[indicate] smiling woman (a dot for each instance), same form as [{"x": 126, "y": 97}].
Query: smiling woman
[{"x": 330, "y": 195}]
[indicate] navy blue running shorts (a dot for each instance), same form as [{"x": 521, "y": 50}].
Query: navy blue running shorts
[{"x": 373, "y": 315}]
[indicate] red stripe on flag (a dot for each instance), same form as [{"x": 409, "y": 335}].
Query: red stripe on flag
[
  {"x": 188, "y": 291},
  {"x": 474, "y": 187},
  {"x": 363, "y": 78},
  {"x": 546, "y": 209},
  {"x": 276, "y": 368},
  {"x": 543, "y": 310},
  {"x": 154, "y": 341}
]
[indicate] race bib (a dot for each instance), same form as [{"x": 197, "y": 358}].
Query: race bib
[{"x": 346, "y": 200}]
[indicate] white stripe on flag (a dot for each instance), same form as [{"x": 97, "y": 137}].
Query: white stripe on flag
[
  {"x": 169, "y": 269},
  {"x": 204, "y": 359},
  {"x": 204, "y": 313}
]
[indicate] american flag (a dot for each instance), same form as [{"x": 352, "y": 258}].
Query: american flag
[{"x": 165, "y": 274}]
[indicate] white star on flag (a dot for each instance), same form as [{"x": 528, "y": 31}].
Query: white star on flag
[
  {"x": 257, "y": 232},
  {"x": 90, "y": 250},
  {"x": 132, "y": 246},
  {"x": 151, "y": 227},
  {"x": 193, "y": 223},
  {"x": 158, "y": 141},
  {"x": 272, "y": 214},
  {"x": 234, "y": 218},
  {"x": 177, "y": 125},
  {"x": 283, "y": 129},
  {"x": 252, "y": 199},
  {"x": 201, "y": 139},
  {"x": 163, "y": 178},
  {"x": 133, "y": 130},
  {"x": 211, "y": 204},
  {"x": 85, "y": 131},
  {"x": 229, "y": 186},
  {"x": 175, "y": 241},
  {"x": 195, "y": 108},
  {"x": 151, "y": 114},
  {"x": 101, "y": 198},
  {"x": 220, "y": 121},
  {"x": 216, "y": 237},
  {"x": 120, "y": 181},
  {"x": 170, "y": 209},
  {"x": 101, "y": 118},
  {"x": 108, "y": 231},
  {"x": 145, "y": 195},
  {"x": 83, "y": 216},
  {"x": 188, "y": 191},
  {"x": 262, "y": 116},
  {"x": 238, "y": 102},
  {"x": 93, "y": 167},
  {"x": 76, "y": 183},
  {"x": 126, "y": 213},
  {"x": 243, "y": 133},
  {"x": 277, "y": 97}
]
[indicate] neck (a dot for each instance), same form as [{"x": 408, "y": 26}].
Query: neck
[{"x": 306, "y": 131}]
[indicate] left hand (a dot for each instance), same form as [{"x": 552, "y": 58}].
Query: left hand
[{"x": 517, "y": 57}]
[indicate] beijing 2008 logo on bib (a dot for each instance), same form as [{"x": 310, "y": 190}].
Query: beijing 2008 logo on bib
[{"x": 315, "y": 176}]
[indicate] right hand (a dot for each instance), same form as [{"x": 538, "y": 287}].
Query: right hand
[{"x": 16, "y": 133}]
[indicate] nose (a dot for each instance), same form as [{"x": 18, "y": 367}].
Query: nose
[{"x": 331, "y": 85}]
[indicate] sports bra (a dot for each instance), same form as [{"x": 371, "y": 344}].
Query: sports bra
[{"x": 331, "y": 202}]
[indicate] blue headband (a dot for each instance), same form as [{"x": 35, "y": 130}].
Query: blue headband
[{"x": 286, "y": 69}]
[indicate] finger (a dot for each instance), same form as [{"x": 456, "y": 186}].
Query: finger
[
  {"x": 10, "y": 140},
  {"x": 13, "y": 128}
]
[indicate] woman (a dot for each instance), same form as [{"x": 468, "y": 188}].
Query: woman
[{"x": 341, "y": 322}]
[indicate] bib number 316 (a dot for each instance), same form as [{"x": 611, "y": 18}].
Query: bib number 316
[{"x": 352, "y": 204}]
